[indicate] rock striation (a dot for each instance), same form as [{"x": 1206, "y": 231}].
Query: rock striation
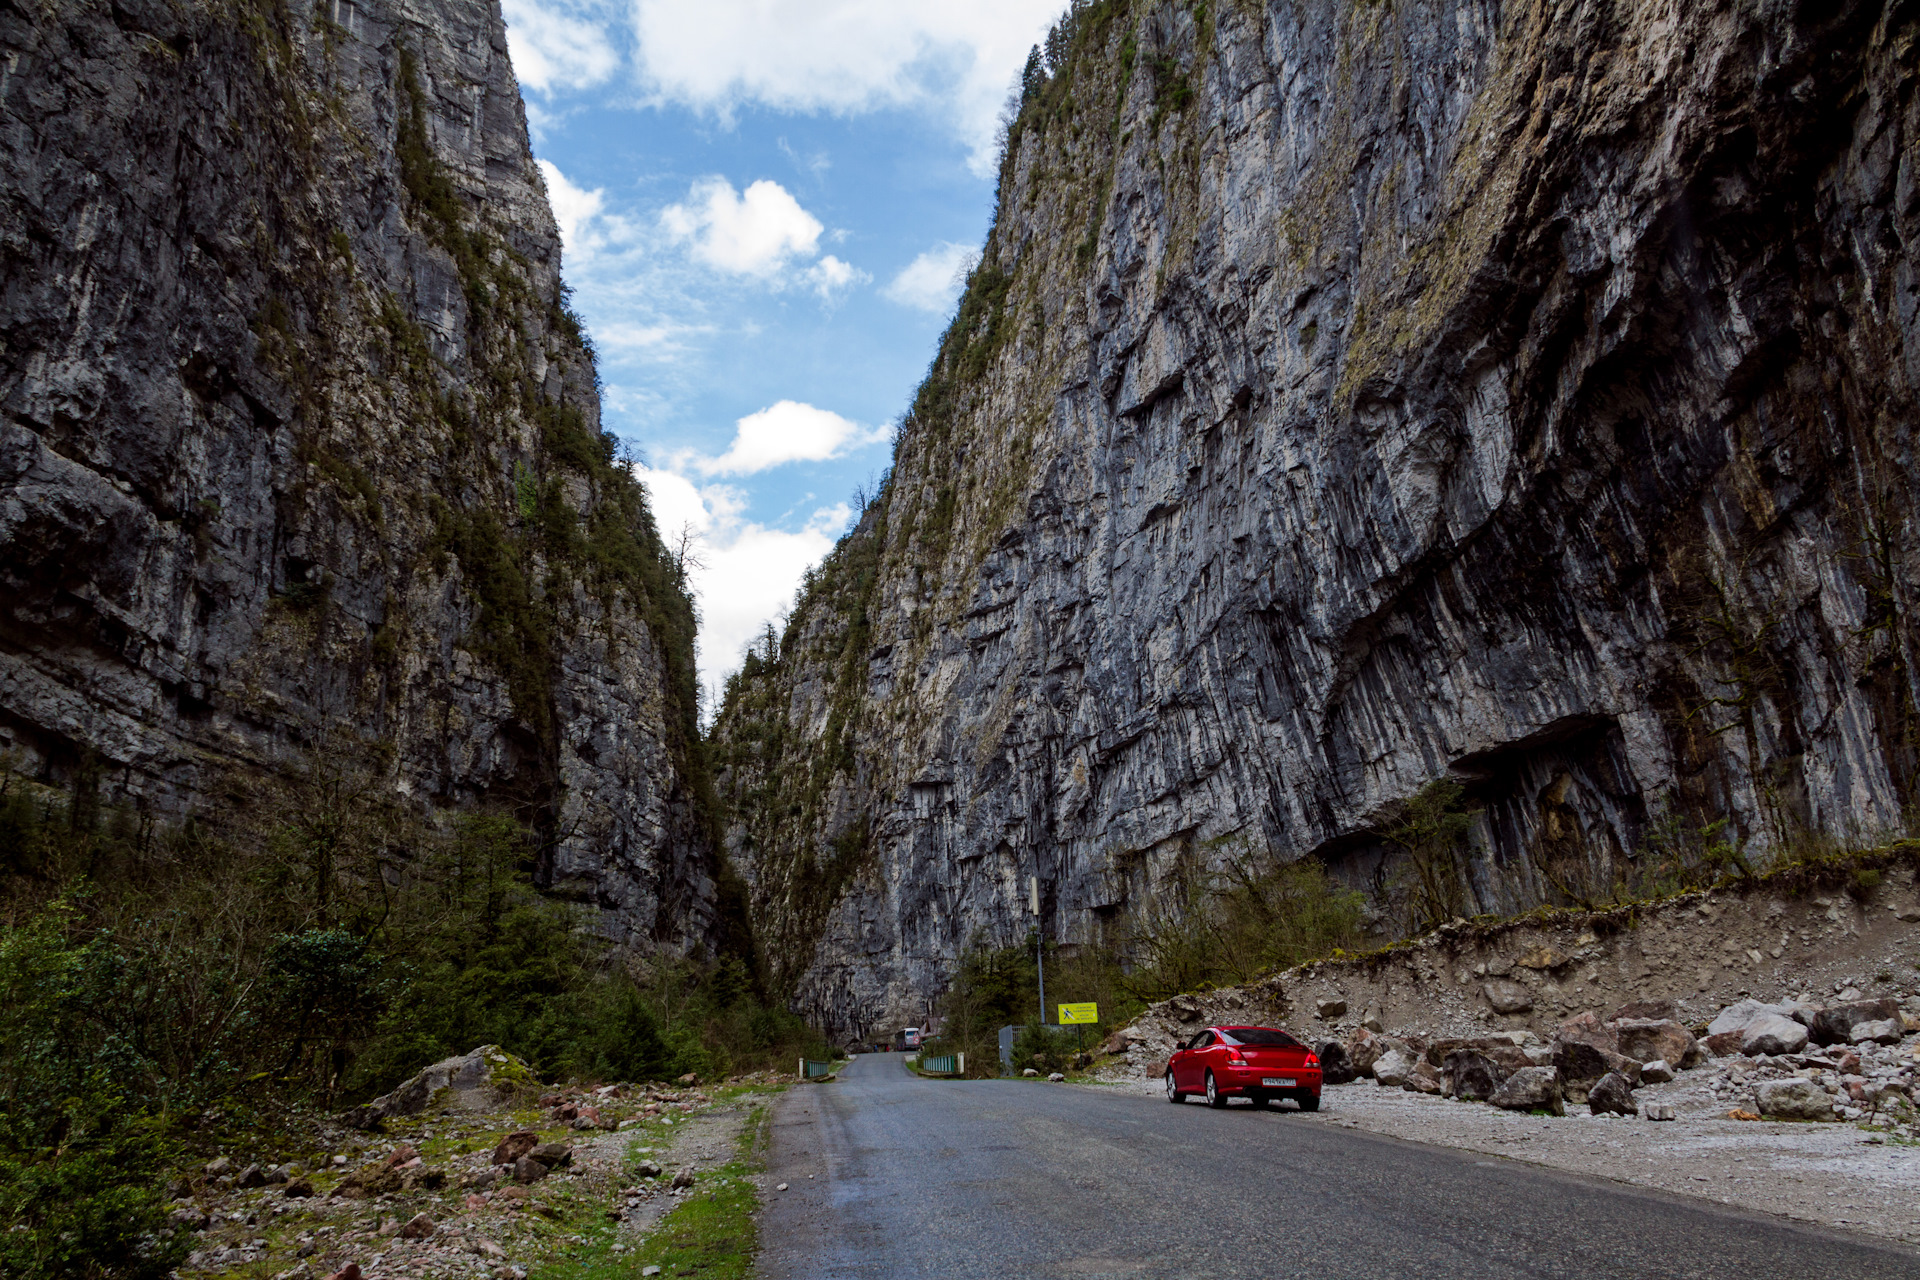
[
  {"x": 1351, "y": 396},
  {"x": 300, "y": 448}
]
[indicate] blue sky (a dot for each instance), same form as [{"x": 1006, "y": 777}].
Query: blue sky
[{"x": 766, "y": 206}]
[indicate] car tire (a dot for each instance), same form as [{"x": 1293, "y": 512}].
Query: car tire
[
  {"x": 1173, "y": 1094},
  {"x": 1310, "y": 1102},
  {"x": 1215, "y": 1098}
]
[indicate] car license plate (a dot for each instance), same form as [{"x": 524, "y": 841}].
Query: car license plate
[{"x": 1278, "y": 1082}]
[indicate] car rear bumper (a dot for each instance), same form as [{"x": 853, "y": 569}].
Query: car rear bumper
[{"x": 1248, "y": 1080}]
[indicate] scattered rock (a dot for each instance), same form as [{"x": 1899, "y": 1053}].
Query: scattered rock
[
  {"x": 418, "y": 1227},
  {"x": 1794, "y": 1099},
  {"x": 192, "y": 1217},
  {"x": 1725, "y": 1044},
  {"x": 1330, "y": 1009},
  {"x": 218, "y": 1168},
  {"x": 781, "y": 1187},
  {"x": 250, "y": 1177},
  {"x": 480, "y": 1180},
  {"x": 1655, "y": 1072},
  {"x": 683, "y": 1178},
  {"x": 1057, "y": 1078},
  {"x": 527, "y": 1169},
  {"x": 1530, "y": 1089},
  {"x": 515, "y": 1145},
  {"x": 649, "y": 1271},
  {"x": 1656, "y": 1111},
  {"x": 1507, "y": 996},
  {"x": 1885, "y": 1032},
  {"x": 1613, "y": 1092},
  {"x": 297, "y": 1189},
  {"x": 1372, "y": 1022},
  {"x": 648, "y": 1169},
  {"x": 349, "y": 1272},
  {"x": 1544, "y": 958},
  {"x": 1773, "y": 1033},
  {"x": 555, "y": 1155},
  {"x": 1031, "y": 1073},
  {"x": 690, "y": 1078},
  {"x": 1424, "y": 1078}
]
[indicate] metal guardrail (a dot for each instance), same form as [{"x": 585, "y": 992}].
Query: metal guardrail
[
  {"x": 947, "y": 1064},
  {"x": 810, "y": 1069}
]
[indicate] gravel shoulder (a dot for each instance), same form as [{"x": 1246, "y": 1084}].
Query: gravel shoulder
[{"x": 1835, "y": 1175}]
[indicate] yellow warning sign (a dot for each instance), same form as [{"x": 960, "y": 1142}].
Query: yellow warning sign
[{"x": 1072, "y": 1013}]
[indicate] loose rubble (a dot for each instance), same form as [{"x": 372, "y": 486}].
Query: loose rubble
[{"x": 481, "y": 1182}]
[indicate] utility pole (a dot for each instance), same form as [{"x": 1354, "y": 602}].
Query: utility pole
[{"x": 1039, "y": 944}]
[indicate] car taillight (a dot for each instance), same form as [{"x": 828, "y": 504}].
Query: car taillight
[
  {"x": 1233, "y": 1056},
  {"x": 1312, "y": 1061}
]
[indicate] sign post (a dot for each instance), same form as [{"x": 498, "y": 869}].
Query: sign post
[{"x": 1039, "y": 944}]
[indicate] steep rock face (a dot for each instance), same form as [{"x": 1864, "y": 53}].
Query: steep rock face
[
  {"x": 1352, "y": 395},
  {"x": 301, "y": 447}
]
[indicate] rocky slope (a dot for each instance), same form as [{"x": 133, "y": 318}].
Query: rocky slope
[
  {"x": 300, "y": 452},
  {"x": 1350, "y": 396}
]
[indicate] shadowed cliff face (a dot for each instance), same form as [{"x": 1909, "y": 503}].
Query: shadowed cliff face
[
  {"x": 1352, "y": 395},
  {"x": 300, "y": 444}
]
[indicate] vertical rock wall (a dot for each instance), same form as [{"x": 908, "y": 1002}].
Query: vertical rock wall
[
  {"x": 1354, "y": 395},
  {"x": 300, "y": 446}
]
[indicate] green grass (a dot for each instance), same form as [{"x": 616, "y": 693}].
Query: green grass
[{"x": 712, "y": 1234}]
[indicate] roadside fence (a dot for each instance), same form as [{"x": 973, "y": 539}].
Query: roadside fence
[
  {"x": 947, "y": 1064},
  {"x": 810, "y": 1069}
]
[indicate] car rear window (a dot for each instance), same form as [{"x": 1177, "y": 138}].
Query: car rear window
[{"x": 1264, "y": 1036}]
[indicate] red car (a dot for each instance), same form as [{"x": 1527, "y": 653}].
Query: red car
[{"x": 1257, "y": 1063}]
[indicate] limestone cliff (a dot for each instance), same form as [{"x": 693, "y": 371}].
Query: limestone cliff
[
  {"x": 1356, "y": 394},
  {"x": 301, "y": 444}
]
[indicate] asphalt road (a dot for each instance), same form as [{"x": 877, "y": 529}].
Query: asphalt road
[{"x": 953, "y": 1179}]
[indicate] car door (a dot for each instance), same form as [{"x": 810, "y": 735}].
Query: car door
[{"x": 1191, "y": 1072}]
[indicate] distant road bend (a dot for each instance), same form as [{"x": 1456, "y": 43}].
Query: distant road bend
[{"x": 952, "y": 1179}]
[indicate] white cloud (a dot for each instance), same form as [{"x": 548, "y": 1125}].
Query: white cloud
[
  {"x": 573, "y": 207},
  {"x": 554, "y": 45},
  {"x": 752, "y": 234},
  {"x": 785, "y": 432},
  {"x": 747, "y": 572},
  {"x": 830, "y": 275},
  {"x": 934, "y": 279},
  {"x": 843, "y": 56}
]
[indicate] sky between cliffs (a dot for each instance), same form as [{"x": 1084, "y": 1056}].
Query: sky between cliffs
[{"x": 767, "y": 207}]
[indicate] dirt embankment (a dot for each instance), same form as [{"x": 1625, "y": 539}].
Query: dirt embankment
[{"x": 1813, "y": 932}]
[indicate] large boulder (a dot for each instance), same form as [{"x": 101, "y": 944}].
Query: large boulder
[
  {"x": 1587, "y": 1028},
  {"x": 1424, "y": 1078},
  {"x": 1507, "y": 996},
  {"x": 1531, "y": 1089},
  {"x": 1391, "y": 1069},
  {"x": 1336, "y": 1064},
  {"x": 1772, "y": 1033},
  {"x": 1836, "y": 1024},
  {"x": 1794, "y": 1099},
  {"x": 1581, "y": 1064},
  {"x": 476, "y": 1081},
  {"x": 1887, "y": 1032},
  {"x": 1650, "y": 1039},
  {"x": 1510, "y": 1056},
  {"x": 1472, "y": 1074},
  {"x": 1612, "y": 1092}
]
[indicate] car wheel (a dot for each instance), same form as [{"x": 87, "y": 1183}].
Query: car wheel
[
  {"x": 1310, "y": 1102},
  {"x": 1173, "y": 1094},
  {"x": 1260, "y": 1101},
  {"x": 1215, "y": 1098}
]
